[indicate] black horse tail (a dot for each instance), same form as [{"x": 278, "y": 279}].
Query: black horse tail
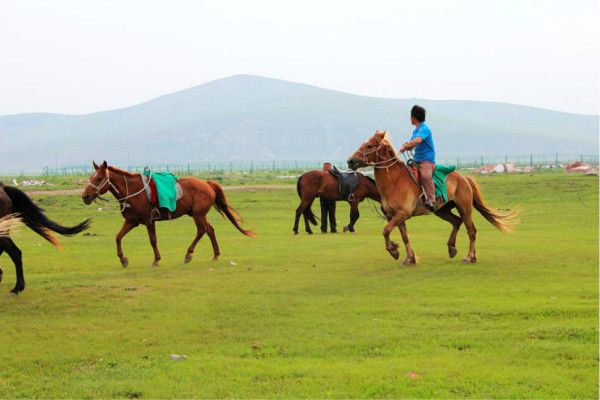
[
  {"x": 308, "y": 214},
  {"x": 34, "y": 217},
  {"x": 226, "y": 210}
]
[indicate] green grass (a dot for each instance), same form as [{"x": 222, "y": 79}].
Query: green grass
[{"x": 312, "y": 316}]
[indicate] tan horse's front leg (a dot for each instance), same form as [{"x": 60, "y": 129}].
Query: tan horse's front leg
[
  {"x": 127, "y": 226},
  {"x": 391, "y": 246},
  {"x": 411, "y": 257}
]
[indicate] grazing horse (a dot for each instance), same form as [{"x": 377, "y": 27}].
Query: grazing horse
[
  {"x": 129, "y": 190},
  {"x": 401, "y": 198},
  {"x": 319, "y": 183},
  {"x": 16, "y": 202}
]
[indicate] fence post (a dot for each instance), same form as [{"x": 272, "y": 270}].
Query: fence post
[{"x": 531, "y": 160}]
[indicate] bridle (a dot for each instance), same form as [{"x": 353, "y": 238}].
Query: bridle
[
  {"x": 104, "y": 183},
  {"x": 390, "y": 161},
  {"x": 123, "y": 200},
  {"x": 393, "y": 159}
]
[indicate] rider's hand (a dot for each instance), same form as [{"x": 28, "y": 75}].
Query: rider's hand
[{"x": 404, "y": 147}]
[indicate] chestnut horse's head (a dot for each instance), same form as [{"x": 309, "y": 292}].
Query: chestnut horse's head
[
  {"x": 375, "y": 151},
  {"x": 98, "y": 184}
]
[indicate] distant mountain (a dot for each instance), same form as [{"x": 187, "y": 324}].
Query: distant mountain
[{"x": 250, "y": 118}]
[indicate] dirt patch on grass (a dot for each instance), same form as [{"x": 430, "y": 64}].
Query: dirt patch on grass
[{"x": 243, "y": 188}]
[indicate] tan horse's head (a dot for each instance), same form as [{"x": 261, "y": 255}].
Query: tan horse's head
[
  {"x": 376, "y": 150},
  {"x": 98, "y": 184}
]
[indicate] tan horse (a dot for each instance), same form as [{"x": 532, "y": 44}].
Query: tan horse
[
  {"x": 400, "y": 198},
  {"x": 128, "y": 188}
]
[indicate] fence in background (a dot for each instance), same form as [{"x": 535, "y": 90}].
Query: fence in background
[{"x": 534, "y": 160}]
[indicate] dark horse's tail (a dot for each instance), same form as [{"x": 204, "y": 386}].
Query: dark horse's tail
[
  {"x": 226, "y": 210},
  {"x": 308, "y": 214},
  {"x": 504, "y": 221},
  {"x": 34, "y": 217}
]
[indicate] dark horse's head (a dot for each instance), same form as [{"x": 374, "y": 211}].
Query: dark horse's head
[
  {"x": 98, "y": 184},
  {"x": 373, "y": 151}
]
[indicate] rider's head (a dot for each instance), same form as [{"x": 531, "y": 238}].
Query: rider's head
[{"x": 417, "y": 115}]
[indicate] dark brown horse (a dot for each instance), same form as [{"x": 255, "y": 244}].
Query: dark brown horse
[
  {"x": 400, "y": 198},
  {"x": 319, "y": 183},
  {"x": 13, "y": 200},
  {"x": 129, "y": 190}
]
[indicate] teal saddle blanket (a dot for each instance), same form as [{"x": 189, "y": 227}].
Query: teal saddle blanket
[
  {"x": 165, "y": 187},
  {"x": 439, "y": 179}
]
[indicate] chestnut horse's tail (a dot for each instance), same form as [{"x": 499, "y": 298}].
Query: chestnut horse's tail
[
  {"x": 226, "y": 210},
  {"x": 504, "y": 221},
  {"x": 308, "y": 214}
]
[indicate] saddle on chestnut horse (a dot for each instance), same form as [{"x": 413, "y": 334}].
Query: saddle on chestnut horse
[
  {"x": 162, "y": 189},
  {"x": 347, "y": 181}
]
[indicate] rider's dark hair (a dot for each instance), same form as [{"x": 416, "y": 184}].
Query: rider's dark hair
[{"x": 418, "y": 112}]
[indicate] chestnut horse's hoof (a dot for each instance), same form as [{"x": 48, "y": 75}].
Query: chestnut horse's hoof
[
  {"x": 124, "y": 262},
  {"x": 452, "y": 251},
  {"x": 216, "y": 257},
  {"x": 295, "y": 232},
  {"x": 155, "y": 264},
  {"x": 346, "y": 229},
  {"x": 188, "y": 258}
]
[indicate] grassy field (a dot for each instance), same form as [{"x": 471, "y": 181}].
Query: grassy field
[{"x": 328, "y": 316}]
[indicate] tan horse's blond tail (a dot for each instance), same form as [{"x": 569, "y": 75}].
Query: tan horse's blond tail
[
  {"x": 226, "y": 210},
  {"x": 503, "y": 220}
]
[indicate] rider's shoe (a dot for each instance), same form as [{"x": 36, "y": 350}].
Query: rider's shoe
[{"x": 430, "y": 206}]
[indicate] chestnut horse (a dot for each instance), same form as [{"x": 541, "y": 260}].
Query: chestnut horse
[
  {"x": 401, "y": 198},
  {"x": 320, "y": 183},
  {"x": 129, "y": 190},
  {"x": 16, "y": 202}
]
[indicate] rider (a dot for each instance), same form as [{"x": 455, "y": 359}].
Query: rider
[{"x": 422, "y": 142}]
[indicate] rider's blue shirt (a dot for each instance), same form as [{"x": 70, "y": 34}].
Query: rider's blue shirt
[{"x": 424, "y": 151}]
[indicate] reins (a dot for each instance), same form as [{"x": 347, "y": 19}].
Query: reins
[{"x": 123, "y": 200}]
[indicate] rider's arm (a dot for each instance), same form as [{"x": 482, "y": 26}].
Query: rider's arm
[{"x": 411, "y": 144}]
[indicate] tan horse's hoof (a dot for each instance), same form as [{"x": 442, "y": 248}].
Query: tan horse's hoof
[
  {"x": 124, "y": 262},
  {"x": 452, "y": 251},
  {"x": 395, "y": 254},
  {"x": 469, "y": 260},
  {"x": 409, "y": 261},
  {"x": 216, "y": 258},
  {"x": 188, "y": 258}
]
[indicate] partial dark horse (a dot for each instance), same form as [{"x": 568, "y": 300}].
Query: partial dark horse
[
  {"x": 319, "y": 183},
  {"x": 13, "y": 200}
]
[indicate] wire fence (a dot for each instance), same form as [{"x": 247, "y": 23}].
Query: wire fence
[{"x": 249, "y": 167}]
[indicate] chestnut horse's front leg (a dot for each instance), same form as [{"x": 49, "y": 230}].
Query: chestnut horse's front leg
[
  {"x": 127, "y": 226},
  {"x": 153, "y": 242}
]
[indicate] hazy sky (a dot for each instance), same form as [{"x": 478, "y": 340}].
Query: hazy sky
[{"x": 85, "y": 56}]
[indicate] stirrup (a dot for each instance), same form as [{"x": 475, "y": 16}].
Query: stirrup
[{"x": 155, "y": 214}]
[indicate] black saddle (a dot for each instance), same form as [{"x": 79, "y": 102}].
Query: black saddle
[{"x": 347, "y": 180}]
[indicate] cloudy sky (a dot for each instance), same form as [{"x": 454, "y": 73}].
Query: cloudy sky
[{"x": 84, "y": 56}]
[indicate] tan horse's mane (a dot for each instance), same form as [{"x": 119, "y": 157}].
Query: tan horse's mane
[
  {"x": 386, "y": 139},
  {"x": 122, "y": 171}
]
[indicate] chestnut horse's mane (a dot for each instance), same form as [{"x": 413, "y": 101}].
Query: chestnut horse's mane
[{"x": 121, "y": 171}]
